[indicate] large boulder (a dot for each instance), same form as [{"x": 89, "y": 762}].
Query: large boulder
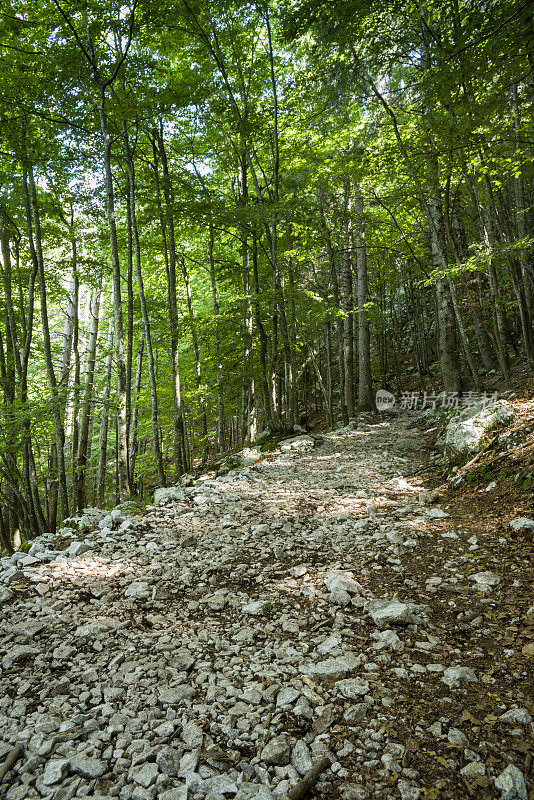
[
  {"x": 300, "y": 443},
  {"x": 465, "y": 432}
]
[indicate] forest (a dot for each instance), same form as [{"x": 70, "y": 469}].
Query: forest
[{"x": 219, "y": 218}]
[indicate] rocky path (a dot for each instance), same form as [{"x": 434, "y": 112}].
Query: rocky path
[{"x": 314, "y": 603}]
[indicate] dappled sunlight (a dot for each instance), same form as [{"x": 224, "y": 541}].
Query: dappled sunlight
[{"x": 69, "y": 569}]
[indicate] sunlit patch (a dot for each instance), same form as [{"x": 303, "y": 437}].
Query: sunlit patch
[{"x": 86, "y": 566}]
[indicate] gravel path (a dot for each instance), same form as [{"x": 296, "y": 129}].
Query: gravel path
[{"x": 312, "y": 604}]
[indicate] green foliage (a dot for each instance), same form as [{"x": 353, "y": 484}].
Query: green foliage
[{"x": 261, "y": 187}]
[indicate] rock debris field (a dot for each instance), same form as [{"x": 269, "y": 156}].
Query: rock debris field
[{"x": 315, "y": 603}]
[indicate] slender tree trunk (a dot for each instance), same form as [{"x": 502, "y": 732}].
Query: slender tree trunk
[
  {"x": 53, "y": 488},
  {"x": 135, "y": 411},
  {"x": 83, "y": 445},
  {"x": 454, "y": 298},
  {"x": 144, "y": 311},
  {"x": 461, "y": 250},
  {"x": 278, "y": 288},
  {"x": 499, "y": 319},
  {"x": 218, "y": 353},
  {"x": 448, "y": 347},
  {"x": 35, "y": 240},
  {"x": 180, "y": 446},
  {"x": 273, "y": 421},
  {"x": 348, "y": 307},
  {"x": 329, "y": 375},
  {"x": 104, "y": 421},
  {"x": 365, "y": 383},
  {"x": 196, "y": 351},
  {"x": 248, "y": 399},
  {"x": 68, "y": 329},
  {"x": 130, "y": 303},
  {"x": 122, "y": 451},
  {"x": 75, "y": 432},
  {"x": 338, "y": 324}
]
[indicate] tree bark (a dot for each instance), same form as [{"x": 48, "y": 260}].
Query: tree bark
[
  {"x": 180, "y": 448},
  {"x": 122, "y": 453},
  {"x": 104, "y": 420},
  {"x": 448, "y": 346},
  {"x": 35, "y": 241},
  {"x": 365, "y": 383},
  {"x": 348, "y": 307},
  {"x": 82, "y": 457},
  {"x": 144, "y": 311},
  {"x": 135, "y": 411},
  {"x": 218, "y": 353},
  {"x": 196, "y": 351}
]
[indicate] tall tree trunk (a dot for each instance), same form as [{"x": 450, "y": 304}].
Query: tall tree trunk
[
  {"x": 122, "y": 451},
  {"x": 499, "y": 319},
  {"x": 75, "y": 426},
  {"x": 85, "y": 420},
  {"x": 144, "y": 311},
  {"x": 461, "y": 250},
  {"x": 348, "y": 307},
  {"x": 247, "y": 389},
  {"x": 329, "y": 375},
  {"x": 130, "y": 305},
  {"x": 17, "y": 355},
  {"x": 365, "y": 383},
  {"x": 68, "y": 328},
  {"x": 104, "y": 421},
  {"x": 338, "y": 324},
  {"x": 273, "y": 420},
  {"x": 278, "y": 287},
  {"x": 196, "y": 351},
  {"x": 180, "y": 447},
  {"x": 36, "y": 251},
  {"x": 135, "y": 411},
  {"x": 454, "y": 297},
  {"x": 448, "y": 346},
  {"x": 218, "y": 353}
]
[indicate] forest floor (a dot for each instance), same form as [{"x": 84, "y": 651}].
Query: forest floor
[{"x": 318, "y": 602}]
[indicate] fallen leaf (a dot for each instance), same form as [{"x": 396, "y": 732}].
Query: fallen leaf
[{"x": 468, "y": 717}]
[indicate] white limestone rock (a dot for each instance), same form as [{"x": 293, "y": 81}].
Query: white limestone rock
[
  {"x": 390, "y": 612},
  {"x": 465, "y": 431},
  {"x": 511, "y": 784},
  {"x": 253, "y": 791},
  {"x": 168, "y": 493},
  {"x": 333, "y": 667},
  {"x": 485, "y": 581},
  {"x": 277, "y": 751},
  {"x": 343, "y": 581},
  {"x": 301, "y": 757},
  {"x": 300, "y": 443},
  {"x": 454, "y": 676},
  {"x": 522, "y": 524},
  {"x": 87, "y": 767},
  {"x": 18, "y": 653},
  {"x": 516, "y": 715},
  {"x": 353, "y": 688}
]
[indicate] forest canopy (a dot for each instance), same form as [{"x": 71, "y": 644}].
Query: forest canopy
[{"x": 223, "y": 218}]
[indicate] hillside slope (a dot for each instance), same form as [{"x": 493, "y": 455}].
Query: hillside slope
[{"x": 314, "y": 603}]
